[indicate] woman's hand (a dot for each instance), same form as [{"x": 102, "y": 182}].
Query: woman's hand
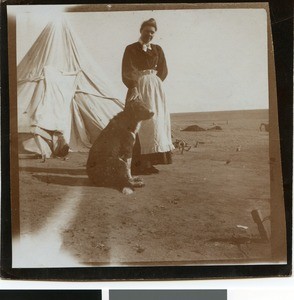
[{"x": 134, "y": 94}]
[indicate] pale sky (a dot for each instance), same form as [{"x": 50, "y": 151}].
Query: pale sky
[{"x": 217, "y": 58}]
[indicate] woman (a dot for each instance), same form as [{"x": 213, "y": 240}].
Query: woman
[{"x": 143, "y": 71}]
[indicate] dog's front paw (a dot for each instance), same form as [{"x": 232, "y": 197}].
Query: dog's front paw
[
  {"x": 127, "y": 191},
  {"x": 137, "y": 179},
  {"x": 138, "y": 184}
]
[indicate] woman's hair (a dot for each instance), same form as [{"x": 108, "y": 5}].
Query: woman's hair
[{"x": 150, "y": 22}]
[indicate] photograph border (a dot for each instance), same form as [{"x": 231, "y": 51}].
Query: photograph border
[{"x": 280, "y": 62}]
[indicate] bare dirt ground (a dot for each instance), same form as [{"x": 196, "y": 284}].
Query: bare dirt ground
[{"x": 187, "y": 213}]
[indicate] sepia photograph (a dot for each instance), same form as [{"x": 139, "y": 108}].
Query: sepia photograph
[{"x": 144, "y": 135}]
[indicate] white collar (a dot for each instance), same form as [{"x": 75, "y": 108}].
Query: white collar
[{"x": 145, "y": 47}]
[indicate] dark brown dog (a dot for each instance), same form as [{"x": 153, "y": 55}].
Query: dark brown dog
[{"x": 109, "y": 161}]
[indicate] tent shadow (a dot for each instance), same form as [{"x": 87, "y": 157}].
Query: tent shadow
[
  {"x": 64, "y": 180},
  {"x": 70, "y": 181},
  {"x": 54, "y": 170}
]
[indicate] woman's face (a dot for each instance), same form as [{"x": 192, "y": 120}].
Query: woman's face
[{"x": 147, "y": 34}]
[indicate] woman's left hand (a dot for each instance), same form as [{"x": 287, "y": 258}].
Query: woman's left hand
[{"x": 134, "y": 94}]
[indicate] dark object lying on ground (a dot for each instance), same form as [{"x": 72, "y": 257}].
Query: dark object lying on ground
[
  {"x": 193, "y": 128},
  {"x": 60, "y": 146},
  {"x": 198, "y": 128},
  {"x": 215, "y": 128}
]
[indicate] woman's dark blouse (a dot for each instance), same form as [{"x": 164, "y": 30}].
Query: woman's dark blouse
[{"x": 135, "y": 59}]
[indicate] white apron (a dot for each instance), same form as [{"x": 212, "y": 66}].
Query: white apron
[{"x": 155, "y": 133}]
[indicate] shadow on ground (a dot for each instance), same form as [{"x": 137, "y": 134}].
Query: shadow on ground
[
  {"x": 64, "y": 180},
  {"x": 54, "y": 170}
]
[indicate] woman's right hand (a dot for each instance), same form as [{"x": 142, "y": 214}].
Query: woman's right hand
[{"x": 134, "y": 94}]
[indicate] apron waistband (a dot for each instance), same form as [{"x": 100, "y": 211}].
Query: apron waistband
[{"x": 147, "y": 72}]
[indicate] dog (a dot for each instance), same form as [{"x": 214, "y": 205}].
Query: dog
[{"x": 109, "y": 160}]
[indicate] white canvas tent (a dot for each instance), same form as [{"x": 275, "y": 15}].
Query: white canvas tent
[{"x": 60, "y": 88}]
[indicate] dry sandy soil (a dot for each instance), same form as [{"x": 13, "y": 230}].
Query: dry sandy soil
[{"x": 189, "y": 212}]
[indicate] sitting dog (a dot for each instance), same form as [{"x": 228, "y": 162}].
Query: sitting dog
[{"x": 109, "y": 161}]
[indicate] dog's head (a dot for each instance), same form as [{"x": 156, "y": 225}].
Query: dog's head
[{"x": 138, "y": 110}]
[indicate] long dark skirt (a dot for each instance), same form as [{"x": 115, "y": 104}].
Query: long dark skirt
[{"x": 141, "y": 160}]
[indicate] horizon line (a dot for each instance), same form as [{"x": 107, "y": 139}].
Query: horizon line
[{"x": 212, "y": 111}]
